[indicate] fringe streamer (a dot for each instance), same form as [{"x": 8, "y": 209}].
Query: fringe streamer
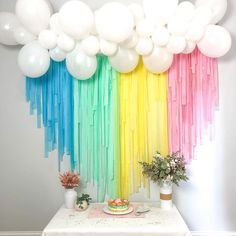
[
  {"x": 52, "y": 97},
  {"x": 143, "y": 124},
  {"x": 192, "y": 99}
]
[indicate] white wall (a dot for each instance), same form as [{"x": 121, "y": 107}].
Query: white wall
[{"x": 30, "y": 192}]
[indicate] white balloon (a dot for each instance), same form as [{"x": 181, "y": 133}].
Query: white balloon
[
  {"x": 161, "y": 36},
  {"x": 145, "y": 28},
  {"x": 159, "y": 11},
  {"x": 76, "y": 19},
  {"x": 33, "y": 14},
  {"x": 158, "y": 61},
  {"x": 125, "y": 60},
  {"x": 90, "y": 45},
  {"x": 80, "y": 65},
  {"x": 48, "y": 39},
  {"x": 176, "y": 44},
  {"x": 144, "y": 46},
  {"x": 178, "y": 26},
  {"x": 216, "y": 42},
  {"x": 202, "y": 15},
  {"x": 57, "y": 54},
  {"x": 33, "y": 60},
  {"x": 8, "y": 24},
  {"x": 195, "y": 32},
  {"x": 65, "y": 42},
  {"x": 22, "y": 36},
  {"x": 137, "y": 11},
  {"x": 218, "y": 8},
  {"x": 131, "y": 41},
  {"x": 107, "y": 48},
  {"x": 190, "y": 46},
  {"x": 114, "y": 22},
  {"x": 185, "y": 10},
  {"x": 55, "y": 25}
]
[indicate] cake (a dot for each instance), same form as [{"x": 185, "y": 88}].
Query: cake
[{"x": 118, "y": 205}]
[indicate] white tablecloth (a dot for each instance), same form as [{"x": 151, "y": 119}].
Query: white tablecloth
[{"x": 157, "y": 222}]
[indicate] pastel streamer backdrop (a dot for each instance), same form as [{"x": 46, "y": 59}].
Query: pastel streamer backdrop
[{"x": 109, "y": 123}]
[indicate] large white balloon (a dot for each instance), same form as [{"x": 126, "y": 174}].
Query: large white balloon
[
  {"x": 131, "y": 41},
  {"x": 55, "y": 25},
  {"x": 159, "y": 11},
  {"x": 161, "y": 36},
  {"x": 176, "y": 44},
  {"x": 178, "y": 26},
  {"x": 144, "y": 46},
  {"x": 145, "y": 28},
  {"x": 125, "y": 60},
  {"x": 90, "y": 45},
  {"x": 23, "y": 36},
  {"x": 33, "y": 14},
  {"x": 137, "y": 11},
  {"x": 80, "y": 65},
  {"x": 107, "y": 48},
  {"x": 65, "y": 42},
  {"x": 218, "y": 8},
  {"x": 57, "y": 54},
  {"x": 8, "y": 24},
  {"x": 33, "y": 60},
  {"x": 114, "y": 22},
  {"x": 159, "y": 61},
  {"x": 76, "y": 19},
  {"x": 48, "y": 39},
  {"x": 202, "y": 15},
  {"x": 185, "y": 10},
  {"x": 216, "y": 42},
  {"x": 195, "y": 32}
]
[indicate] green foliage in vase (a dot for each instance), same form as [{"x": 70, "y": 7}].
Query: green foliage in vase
[
  {"x": 171, "y": 168},
  {"x": 84, "y": 197}
]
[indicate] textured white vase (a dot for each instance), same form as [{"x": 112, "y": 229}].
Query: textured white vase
[
  {"x": 70, "y": 198},
  {"x": 166, "y": 195}
]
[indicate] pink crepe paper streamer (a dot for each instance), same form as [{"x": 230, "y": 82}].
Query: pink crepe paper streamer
[{"x": 192, "y": 99}]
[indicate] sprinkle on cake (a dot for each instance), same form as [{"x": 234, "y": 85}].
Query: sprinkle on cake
[{"x": 118, "y": 205}]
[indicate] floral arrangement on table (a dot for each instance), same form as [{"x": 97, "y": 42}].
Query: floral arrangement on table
[
  {"x": 69, "y": 180},
  {"x": 82, "y": 202},
  {"x": 171, "y": 168}
]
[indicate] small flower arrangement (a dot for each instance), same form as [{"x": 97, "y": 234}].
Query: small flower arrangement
[
  {"x": 166, "y": 169},
  {"x": 70, "y": 180}
]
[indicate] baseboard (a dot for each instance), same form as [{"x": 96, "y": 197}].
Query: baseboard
[
  {"x": 20, "y": 233},
  {"x": 213, "y": 233}
]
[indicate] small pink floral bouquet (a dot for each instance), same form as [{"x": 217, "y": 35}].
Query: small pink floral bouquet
[{"x": 70, "y": 180}]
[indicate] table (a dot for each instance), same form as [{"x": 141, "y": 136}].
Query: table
[{"x": 157, "y": 222}]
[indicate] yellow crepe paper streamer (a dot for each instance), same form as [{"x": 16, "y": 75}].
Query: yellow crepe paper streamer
[{"x": 143, "y": 124}]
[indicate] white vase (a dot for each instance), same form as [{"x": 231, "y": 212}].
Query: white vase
[
  {"x": 70, "y": 198},
  {"x": 81, "y": 207},
  {"x": 166, "y": 195}
]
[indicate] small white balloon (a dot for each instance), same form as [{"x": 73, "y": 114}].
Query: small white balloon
[
  {"x": 145, "y": 28},
  {"x": 185, "y": 10},
  {"x": 176, "y": 44},
  {"x": 33, "y": 14},
  {"x": 218, "y": 8},
  {"x": 114, "y": 22},
  {"x": 33, "y": 60},
  {"x": 125, "y": 60},
  {"x": 178, "y": 26},
  {"x": 131, "y": 41},
  {"x": 161, "y": 36},
  {"x": 55, "y": 25},
  {"x": 203, "y": 15},
  {"x": 80, "y": 65},
  {"x": 8, "y": 24},
  {"x": 22, "y": 36},
  {"x": 216, "y": 41},
  {"x": 190, "y": 46},
  {"x": 90, "y": 45},
  {"x": 76, "y": 19},
  {"x": 137, "y": 12},
  {"x": 65, "y": 42},
  {"x": 57, "y": 54},
  {"x": 159, "y": 11},
  {"x": 48, "y": 39},
  {"x": 158, "y": 61},
  {"x": 195, "y": 32},
  {"x": 144, "y": 46},
  {"x": 107, "y": 48}
]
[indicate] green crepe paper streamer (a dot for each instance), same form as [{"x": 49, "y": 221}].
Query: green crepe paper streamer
[{"x": 96, "y": 125}]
